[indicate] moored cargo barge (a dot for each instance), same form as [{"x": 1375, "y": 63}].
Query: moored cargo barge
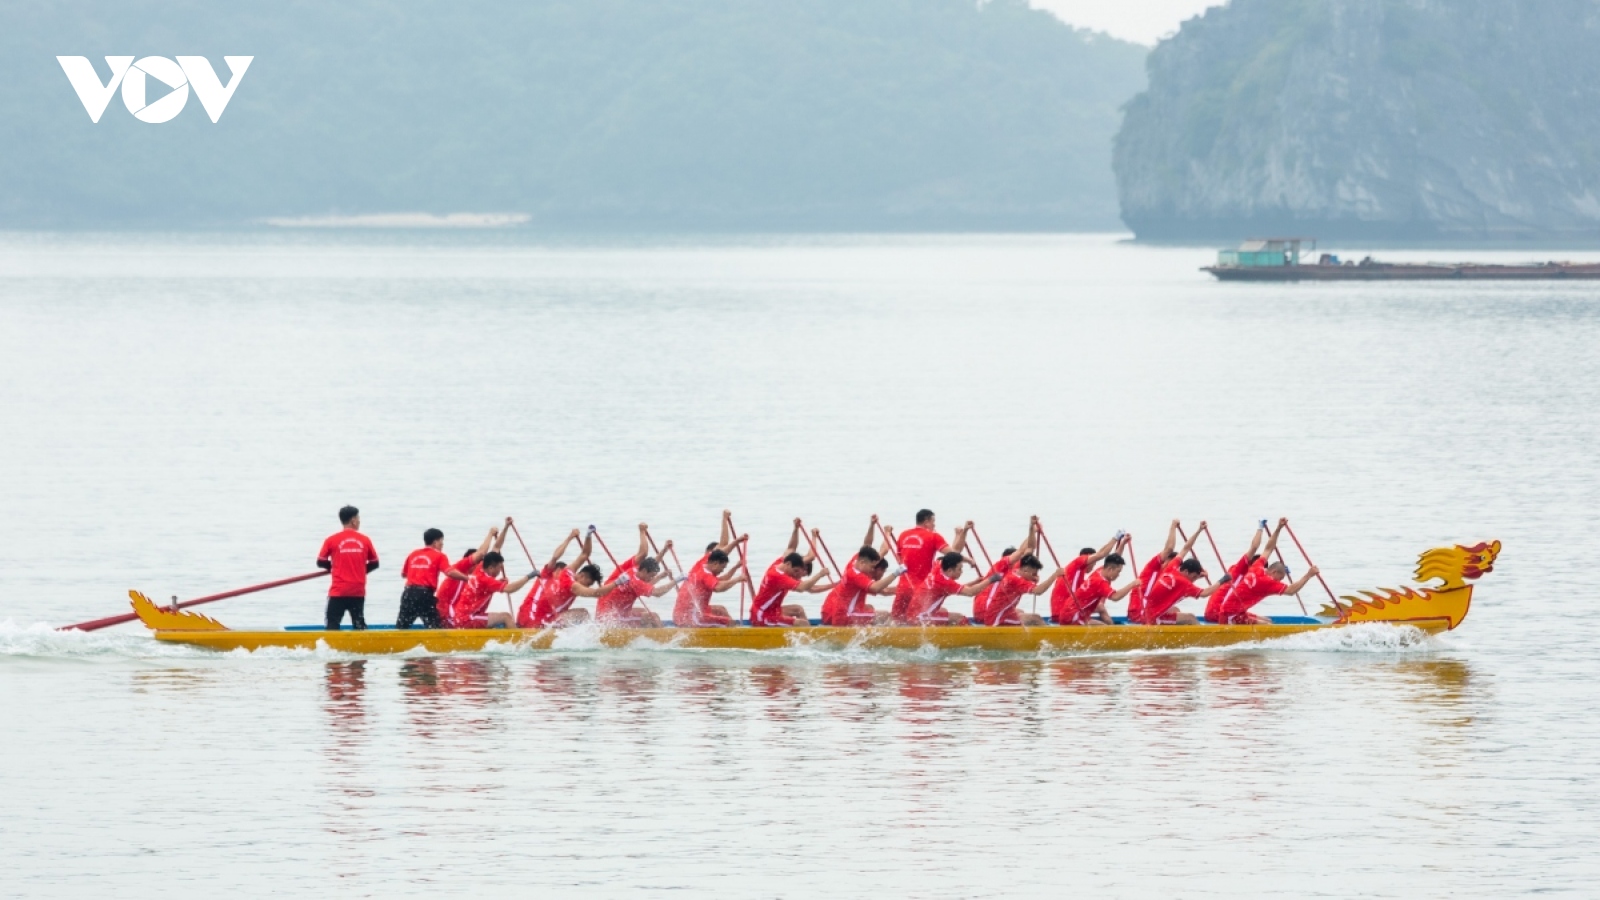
[{"x": 1279, "y": 259}]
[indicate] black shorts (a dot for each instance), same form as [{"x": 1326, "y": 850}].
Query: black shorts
[
  {"x": 338, "y": 606},
  {"x": 418, "y": 603}
]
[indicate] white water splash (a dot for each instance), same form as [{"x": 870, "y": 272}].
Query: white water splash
[{"x": 41, "y": 640}]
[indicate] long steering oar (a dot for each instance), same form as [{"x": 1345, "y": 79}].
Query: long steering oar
[
  {"x": 108, "y": 621},
  {"x": 1307, "y": 558}
]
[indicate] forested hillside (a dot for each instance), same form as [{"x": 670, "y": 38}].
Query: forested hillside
[{"x": 1416, "y": 119}]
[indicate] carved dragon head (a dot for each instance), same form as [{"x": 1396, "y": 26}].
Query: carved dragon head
[{"x": 1456, "y": 565}]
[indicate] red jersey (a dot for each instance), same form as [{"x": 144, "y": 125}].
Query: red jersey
[
  {"x": 550, "y": 596},
  {"x": 423, "y": 567},
  {"x": 1147, "y": 577},
  {"x": 918, "y": 547},
  {"x": 446, "y": 595},
  {"x": 693, "y": 608},
  {"x": 617, "y": 606},
  {"x": 471, "y": 606},
  {"x": 980, "y": 603},
  {"x": 1215, "y": 601},
  {"x": 1165, "y": 592},
  {"x": 1095, "y": 591},
  {"x": 1064, "y": 595},
  {"x": 1003, "y": 599},
  {"x": 348, "y": 553},
  {"x": 846, "y": 604},
  {"x": 1255, "y": 586},
  {"x": 767, "y": 607},
  {"x": 927, "y": 605}
]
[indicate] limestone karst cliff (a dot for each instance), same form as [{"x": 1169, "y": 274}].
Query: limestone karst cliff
[{"x": 1410, "y": 119}]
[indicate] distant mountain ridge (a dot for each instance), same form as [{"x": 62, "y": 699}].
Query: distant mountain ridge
[
  {"x": 605, "y": 114},
  {"x": 1413, "y": 119}
]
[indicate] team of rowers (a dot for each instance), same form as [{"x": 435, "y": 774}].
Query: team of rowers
[{"x": 928, "y": 571}]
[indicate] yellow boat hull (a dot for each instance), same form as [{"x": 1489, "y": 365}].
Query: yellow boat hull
[{"x": 1082, "y": 639}]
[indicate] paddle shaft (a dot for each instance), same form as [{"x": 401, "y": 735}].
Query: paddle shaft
[
  {"x": 108, "y": 621},
  {"x": 987, "y": 559},
  {"x": 825, "y": 549},
  {"x": 813, "y": 545},
  {"x": 529, "y": 555},
  {"x": 744, "y": 565},
  {"x": 1192, "y": 553},
  {"x": 1307, "y": 558}
]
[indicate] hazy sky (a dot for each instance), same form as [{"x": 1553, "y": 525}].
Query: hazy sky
[{"x": 1144, "y": 21}]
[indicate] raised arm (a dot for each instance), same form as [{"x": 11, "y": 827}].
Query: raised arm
[
  {"x": 1103, "y": 552},
  {"x": 727, "y": 531},
  {"x": 1172, "y": 540},
  {"x": 1255, "y": 542},
  {"x": 959, "y": 545},
  {"x": 1188, "y": 546},
  {"x": 488, "y": 541},
  {"x": 562, "y": 550},
  {"x": 500, "y": 539},
  {"x": 643, "y": 552},
  {"x": 794, "y": 537},
  {"x": 1272, "y": 542},
  {"x": 872, "y": 528}
]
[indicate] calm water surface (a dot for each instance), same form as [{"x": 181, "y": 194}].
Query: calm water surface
[{"x": 184, "y": 414}]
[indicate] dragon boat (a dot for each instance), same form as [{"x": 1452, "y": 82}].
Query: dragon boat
[{"x": 1430, "y": 609}]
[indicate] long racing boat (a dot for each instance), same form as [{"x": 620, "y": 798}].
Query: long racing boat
[{"x": 1430, "y": 609}]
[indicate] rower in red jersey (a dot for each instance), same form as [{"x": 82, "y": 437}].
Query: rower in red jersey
[
  {"x": 420, "y": 600},
  {"x": 1002, "y": 567},
  {"x": 1007, "y": 594},
  {"x": 636, "y": 578},
  {"x": 846, "y": 604},
  {"x": 1064, "y": 597},
  {"x": 548, "y": 603},
  {"x": 1172, "y": 582},
  {"x": 348, "y": 556},
  {"x": 1090, "y": 601},
  {"x": 791, "y": 572},
  {"x": 1260, "y": 582},
  {"x": 471, "y": 608},
  {"x": 693, "y": 608},
  {"x": 1235, "y": 572},
  {"x": 465, "y": 565},
  {"x": 917, "y": 549},
  {"x": 927, "y": 603}
]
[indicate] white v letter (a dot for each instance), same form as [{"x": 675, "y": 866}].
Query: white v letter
[
  {"x": 95, "y": 95},
  {"x": 213, "y": 96}
]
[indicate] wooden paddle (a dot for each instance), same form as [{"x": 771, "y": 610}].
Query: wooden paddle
[
  {"x": 1313, "y": 565},
  {"x": 108, "y": 621}
]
